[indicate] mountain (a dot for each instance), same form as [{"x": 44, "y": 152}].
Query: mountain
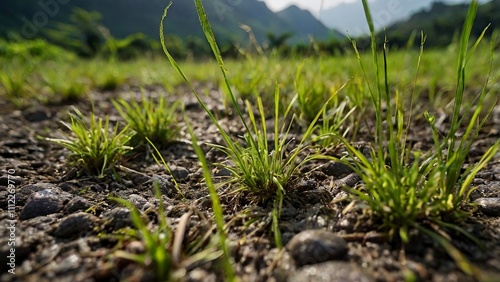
[
  {"x": 350, "y": 17},
  {"x": 442, "y": 22},
  {"x": 125, "y": 17},
  {"x": 303, "y": 22}
]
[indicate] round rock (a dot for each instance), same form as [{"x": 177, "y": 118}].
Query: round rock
[
  {"x": 336, "y": 169},
  {"x": 489, "y": 206},
  {"x": 75, "y": 224},
  {"x": 315, "y": 246},
  {"x": 331, "y": 271},
  {"x": 179, "y": 173},
  {"x": 139, "y": 202},
  {"x": 44, "y": 202},
  {"x": 166, "y": 186},
  {"x": 118, "y": 218},
  {"x": 77, "y": 204}
]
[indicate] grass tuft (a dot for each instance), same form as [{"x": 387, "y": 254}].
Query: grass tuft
[
  {"x": 95, "y": 145},
  {"x": 150, "y": 119},
  {"x": 428, "y": 192}
]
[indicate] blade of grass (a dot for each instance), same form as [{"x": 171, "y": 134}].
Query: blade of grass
[{"x": 216, "y": 205}]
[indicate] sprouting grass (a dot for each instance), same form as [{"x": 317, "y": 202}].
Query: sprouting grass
[
  {"x": 157, "y": 242},
  {"x": 151, "y": 119},
  {"x": 108, "y": 77},
  {"x": 428, "y": 192},
  {"x": 216, "y": 206},
  {"x": 259, "y": 169},
  {"x": 312, "y": 93},
  {"x": 95, "y": 145},
  {"x": 333, "y": 123},
  {"x": 15, "y": 83},
  {"x": 165, "y": 252},
  {"x": 64, "y": 86}
]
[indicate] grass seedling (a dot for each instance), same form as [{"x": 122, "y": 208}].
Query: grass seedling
[
  {"x": 95, "y": 145},
  {"x": 258, "y": 169},
  {"x": 15, "y": 84},
  {"x": 157, "y": 242},
  {"x": 408, "y": 190},
  {"x": 312, "y": 94},
  {"x": 108, "y": 77},
  {"x": 154, "y": 120},
  {"x": 164, "y": 253},
  {"x": 333, "y": 124},
  {"x": 216, "y": 206},
  {"x": 65, "y": 88}
]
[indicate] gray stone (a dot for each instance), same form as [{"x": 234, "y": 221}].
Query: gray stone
[
  {"x": 305, "y": 185},
  {"x": 77, "y": 204},
  {"x": 26, "y": 191},
  {"x": 179, "y": 173},
  {"x": 336, "y": 169},
  {"x": 315, "y": 246},
  {"x": 37, "y": 115},
  {"x": 67, "y": 264},
  {"x": 118, "y": 218},
  {"x": 489, "y": 206},
  {"x": 199, "y": 274},
  {"x": 165, "y": 184},
  {"x": 139, "y": 202},
  {"x": 332, "y": 271},
  {"x": 75, "y": 224},
  {"x": 44, "y": 202}
]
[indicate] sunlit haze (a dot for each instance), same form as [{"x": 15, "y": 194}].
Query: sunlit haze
[{"x": 312, "y": 5}]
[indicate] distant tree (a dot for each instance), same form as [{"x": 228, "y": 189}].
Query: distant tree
[
  {"x": 278, "y": 42},
  {"x": 197, "y": 46},
  {"x": 84, "y": 34}
]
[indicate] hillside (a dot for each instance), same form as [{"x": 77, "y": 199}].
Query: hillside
[
  {"x": 130, "y": 16},
  {"x": 442, "y": 22},
  {"x": 301, "y": 21},
  {"x": 385, "y": 13}
]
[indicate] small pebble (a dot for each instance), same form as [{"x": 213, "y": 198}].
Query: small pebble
[
  {"x": 44, "y": 202},
  {"x": 179, "y": 173},
  {"x": 315, "y": 246},
  {"x": 75, "y": 224},
  {"x": 332, "y": 271},
  {"x": 165, "y": 184},
  {"x": 77, "y": 204},
  {"x": 139, "y": 202},
  {"x": 135, "y": 247},
  {"x": 118, "y": 218},
  {"x": 336, "y": 169},
  {"x": 37, "y": 115},
  {"x": 67, "y": 264},
  {"x": 489, "y": 206}
]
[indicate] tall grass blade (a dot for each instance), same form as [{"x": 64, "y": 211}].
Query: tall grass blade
[{"x": 216, "y": 205}]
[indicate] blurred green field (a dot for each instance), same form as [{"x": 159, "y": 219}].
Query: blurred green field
[{"x": 35, "y": 72}]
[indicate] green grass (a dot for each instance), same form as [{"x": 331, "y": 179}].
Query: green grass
[
  {"x": 15, "y": 84},
  {"x": 330, "y": 97},
  {"x": 258, "y": 169},
  {"x": 165, "y": 252},
  {"x": 216, "y": 207},
  {"x": 95, "y": 145},
  {"x": 64, "y": 85},
  {"x": 335, "y": 122},
  {"x": 157, "y": 242},
  {"x": 151, "y": 119},
  {"x": 408, "y": 190}
]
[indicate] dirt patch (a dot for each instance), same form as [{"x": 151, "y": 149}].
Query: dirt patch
[{"x": 66, "y": 225}]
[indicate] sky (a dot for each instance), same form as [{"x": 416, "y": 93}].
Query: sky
[{"x": 312, "y": 5}]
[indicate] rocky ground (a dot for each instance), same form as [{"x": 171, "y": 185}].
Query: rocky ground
[{"x": 65, "y": 227}]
